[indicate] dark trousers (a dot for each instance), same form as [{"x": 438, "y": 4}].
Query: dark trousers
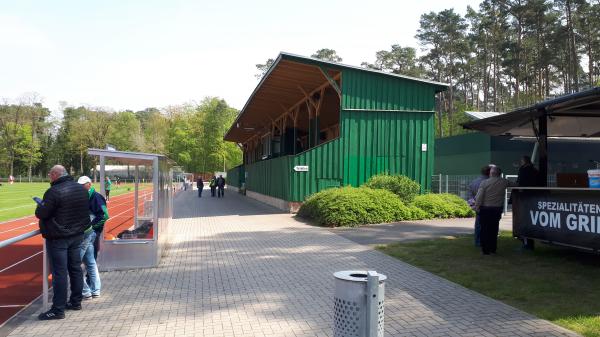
[
  {"x": 97, "y": 244},
  {"x": 200, "y": 187},
  {"x": 489, "y": 218},
  {"x": 221, "y": 192},
  {"x": 65, "y": 263},
  {"x": 477, "y": 231},
  {"x": 212, "y": 191},
  {"x": 107, "y": 194}
]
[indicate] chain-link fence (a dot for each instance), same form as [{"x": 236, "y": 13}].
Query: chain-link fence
[{"x": 459, "y": 184}]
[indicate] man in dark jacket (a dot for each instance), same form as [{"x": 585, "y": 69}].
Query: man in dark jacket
[
  {"x": 221, "y": 186},
  {"x": 64, "y": 216}
]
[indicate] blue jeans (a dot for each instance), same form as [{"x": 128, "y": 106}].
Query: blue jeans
[
  {"x": 87, "y": 257},
  {"x": 65, "y": 261},
  {"x": 477, "y": 231}
]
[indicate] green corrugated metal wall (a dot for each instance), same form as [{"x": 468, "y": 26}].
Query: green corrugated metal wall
[
  {"x": 235, "y": 176},
  {"x": 372, "y": 140},
  {"x": 383, "y": 141},
  {"x": 325, "y": 168},
  {"x": 386, "y": 141},
  {"x": 270, "y": 177},
  {"x": 372, "y": 91}
]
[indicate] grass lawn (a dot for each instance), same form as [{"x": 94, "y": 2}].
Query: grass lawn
[
  {"x": 553, "y": 283},
  {"x": 15, "y": 199}
]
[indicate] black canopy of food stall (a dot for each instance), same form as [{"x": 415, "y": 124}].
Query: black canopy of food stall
[{"x": 574, "y": 115}]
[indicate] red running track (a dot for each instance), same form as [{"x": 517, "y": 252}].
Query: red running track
[{"x": 21, "y": 263}]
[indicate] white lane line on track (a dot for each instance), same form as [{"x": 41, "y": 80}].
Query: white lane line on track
[
  {"x": 13, "y": 306},
  {"x": 38, "y": 253},
  {"x": 14, "y": 229},
  {"x": 8, "y": 209},
  {"x": 25, "y": 259},
  {"x": 111, "y": 204}
]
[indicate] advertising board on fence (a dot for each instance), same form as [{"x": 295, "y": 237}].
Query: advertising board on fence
[{"x": 563, "y": 216}]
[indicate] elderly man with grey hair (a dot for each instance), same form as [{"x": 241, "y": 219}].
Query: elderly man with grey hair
[
  {"x": 64, "y": 216},
  {"x": 488, "y": 205}
]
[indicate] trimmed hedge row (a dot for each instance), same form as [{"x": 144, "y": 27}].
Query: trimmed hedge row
[
  {"x": 404, "y": 187},
  {"x": 353, "y": 206}
]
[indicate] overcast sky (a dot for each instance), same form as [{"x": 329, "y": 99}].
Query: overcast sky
[{"x": 137, "y": 54}]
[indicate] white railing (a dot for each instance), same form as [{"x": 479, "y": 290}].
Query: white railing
[{"x": 45, "y": 266}]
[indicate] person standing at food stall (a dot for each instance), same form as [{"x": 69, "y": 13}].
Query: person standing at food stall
[
  {"x": 528, "y": 176},
  {"x": 473, "y": 188},
  {"x": 488, "y": 205}
]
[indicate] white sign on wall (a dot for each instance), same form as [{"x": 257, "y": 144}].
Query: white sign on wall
[
  {"x": 301, "y": 168},
  {"x": 424, "y": 147}
]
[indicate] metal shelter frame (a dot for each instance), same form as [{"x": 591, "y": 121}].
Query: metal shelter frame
[{"x": 139, "y": 253}]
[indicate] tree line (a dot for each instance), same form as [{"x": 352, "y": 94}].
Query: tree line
[
  {"x": 500, "y": 56},
  {"x": 191, "y": 134}
]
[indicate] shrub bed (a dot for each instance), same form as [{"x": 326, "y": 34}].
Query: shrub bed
[
  {"x": 443, "y": 206},
  {"x": 351, "y": 206},
  {"x": 404, "y": 187},
  {"x": 384, "y": 198}
]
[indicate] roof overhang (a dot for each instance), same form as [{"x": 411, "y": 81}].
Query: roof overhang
[
  {"x": 128, "y": 158},
  {"x": 574, "y": 115},
  {"x": 285, "y": 84}
]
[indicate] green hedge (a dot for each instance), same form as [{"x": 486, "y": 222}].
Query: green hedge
[
  {"x": 382, "y": 199},
  {"x": 351, "y": 206},
  {"x": 443, "y": 206},
  {"x": 402, "y": 186}
]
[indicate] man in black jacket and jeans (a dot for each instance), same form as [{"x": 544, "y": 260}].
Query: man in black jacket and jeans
[{"x": 64, "y": 216}]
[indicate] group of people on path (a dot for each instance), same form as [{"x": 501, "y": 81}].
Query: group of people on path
[
  {"x": 487, "y": 194},
  {"x": 217, "y": 186},
  {"x": 71, "y": 219}
]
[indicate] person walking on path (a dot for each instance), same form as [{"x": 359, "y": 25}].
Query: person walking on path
[
  {"x": 200, "y": 185},
  {"x": 488, "y": 204},
  {"x": 107, "y": 187},
  {"x": 64, "y": 216},
  {"x": 473, "y": 188},
  {"x": 221, "y": 186},
  {"x": 98, "y": 216},
  {"x": 213, "y": 186}
]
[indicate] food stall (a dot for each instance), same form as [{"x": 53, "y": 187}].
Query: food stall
[
  {"x": 137, "y": 233},
  {"x": 569, "y": 213}
]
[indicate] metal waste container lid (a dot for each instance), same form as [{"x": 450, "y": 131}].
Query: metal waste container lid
[{"x": 356, "y": 275}]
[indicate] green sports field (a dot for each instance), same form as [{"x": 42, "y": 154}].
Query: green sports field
[{"x": 16, "y": 202}]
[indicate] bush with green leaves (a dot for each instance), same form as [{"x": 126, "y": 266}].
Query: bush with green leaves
[
  {"x": 402, "y": 186},
  {"x": 352, "y": 206},
  {"x": 443, "y": 206}
]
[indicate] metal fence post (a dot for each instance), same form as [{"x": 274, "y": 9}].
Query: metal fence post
[
  {"x": 447, "y": 183},
  {"x": 440, "y": 184},
  {"x": 45, "y": 277}
]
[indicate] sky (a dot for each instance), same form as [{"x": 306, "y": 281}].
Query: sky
[{"x": 129, "y": 54}]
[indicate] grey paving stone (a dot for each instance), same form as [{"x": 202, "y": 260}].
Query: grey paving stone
[{"x": 239, "y": 268}]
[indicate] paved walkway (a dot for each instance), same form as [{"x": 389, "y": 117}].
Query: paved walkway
[
  {"x": 381, "y": 234},
  {"x": 239, "y": 268}
]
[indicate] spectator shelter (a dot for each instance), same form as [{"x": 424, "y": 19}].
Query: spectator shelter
[
  {"x": 137, "y": 233},
  {"x": 312, "y": 124},
  {"x": 568, "y": 214}
]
